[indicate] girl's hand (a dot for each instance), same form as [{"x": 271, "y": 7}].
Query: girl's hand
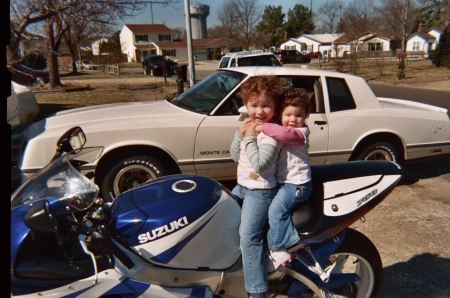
[
  {"x": 244, "y": 126},
  {"x": 258, "y": 128},
  {"x": 251, "y": 130}
]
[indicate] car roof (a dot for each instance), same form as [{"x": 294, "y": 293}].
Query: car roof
[
  {"x": 247, "y": 53},
  {"x": 285, "y": 71}
]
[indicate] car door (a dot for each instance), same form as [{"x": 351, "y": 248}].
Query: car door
[{"x": 215, "y": 133}]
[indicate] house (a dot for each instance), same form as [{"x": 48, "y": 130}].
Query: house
[
  {"x": 424, "y": 40},
  {"x": 203, "y": 48},
  {"x": 374, "y": 44},
  {"x": 140, "y": 40},
  {"x": 96, "y": 46},
  {"x": 314, "y": 43},
  {"x": 137, "y": 39}
]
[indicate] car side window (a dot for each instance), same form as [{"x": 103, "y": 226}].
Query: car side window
[
  {"x": 224, "y": 62},
  {"x": 339, "y": 95},
  {"x": 233, "y": 63},
  {"x": 311, "y": 85},
  {"x": 231, "y": 105}
]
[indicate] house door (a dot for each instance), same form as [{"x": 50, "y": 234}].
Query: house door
[{"x": 138, "y": 55}]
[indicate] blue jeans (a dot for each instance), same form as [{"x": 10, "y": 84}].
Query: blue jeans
[
  {"x": 253, "y": 218},
  {"x": 282, "y": 232}
]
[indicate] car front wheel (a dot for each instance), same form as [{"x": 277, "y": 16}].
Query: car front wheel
[
  {"x": 379, "y": 151},
  {"x": 129, "y": 173}
]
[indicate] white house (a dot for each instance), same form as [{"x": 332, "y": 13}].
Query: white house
[
  {"x": 293, "y": 44},
  {"x": 315, "y": 43},
  {"x": 96, "y": 46},
  {"x": 372, "y": 42},
  {"x": 141, "y": 40},
  {"x": 137, "y": 39},
  {"x": 424, "y": 40}
]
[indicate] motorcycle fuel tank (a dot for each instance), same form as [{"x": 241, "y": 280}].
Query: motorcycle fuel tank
[{"x": 179, "y": 221}]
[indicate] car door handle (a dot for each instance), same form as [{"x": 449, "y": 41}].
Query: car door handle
[{"x": 320, "y": 123}]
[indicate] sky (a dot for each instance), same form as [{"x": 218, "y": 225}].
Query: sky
[{"x": 173, "y": 16}]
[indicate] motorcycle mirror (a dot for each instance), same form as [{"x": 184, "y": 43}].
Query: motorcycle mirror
[
  {"x": 73, "y": 139},
  {"x": 244, "y": 113},
  {"x": 40, "y": 218}
]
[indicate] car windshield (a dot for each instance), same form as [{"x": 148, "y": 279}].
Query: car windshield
[{"x": 209, "y": 92}]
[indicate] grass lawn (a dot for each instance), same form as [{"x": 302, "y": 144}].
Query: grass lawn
[{"x": 51, "y": 102}]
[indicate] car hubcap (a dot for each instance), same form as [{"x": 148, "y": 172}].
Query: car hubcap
[
  {"x": 379, "y": 155},
  {"x": 131, "y": 177}
]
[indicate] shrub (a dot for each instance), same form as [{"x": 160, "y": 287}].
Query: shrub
[
  {"x": 216, "y": 56},
  {"x": 401, "y": 68},
  {"x": 441, "y": 56},
  {"x": 339, "y": 65}
]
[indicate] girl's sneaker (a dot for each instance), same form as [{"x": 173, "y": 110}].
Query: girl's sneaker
[{"x": 277, "y": 258}]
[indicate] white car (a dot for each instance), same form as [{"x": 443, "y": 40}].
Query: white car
[
  {"x": 192, "y": 132},
  {"x": 85, "y": 64},
  {"x": 248, "y": 58}
]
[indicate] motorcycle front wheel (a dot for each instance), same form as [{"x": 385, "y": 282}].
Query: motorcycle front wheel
[{"x": 357, "y": 254}]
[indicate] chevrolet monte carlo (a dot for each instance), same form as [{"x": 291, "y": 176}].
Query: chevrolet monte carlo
[{"x": 192, "y": 132}]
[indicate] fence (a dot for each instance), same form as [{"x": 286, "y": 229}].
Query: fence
[{"x": 112, "y": 69}]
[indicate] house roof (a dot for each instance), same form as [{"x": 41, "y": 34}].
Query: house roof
[
  {"x": 370, "y": 35},
  {"x": 422, "y": 35},
  {"x": 322, "y": 38},
  {"x": 292, "y": 40},
  {"x": 145, "y": 28},
  {"x": 437, "y": 28},
  {"x": 343, "y": 39},
  {"x": 198, "y": 43}
]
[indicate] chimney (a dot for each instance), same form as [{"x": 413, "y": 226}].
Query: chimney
[
  {"x": 422, "y": 28},
  {"x": 286, "y": 35}
]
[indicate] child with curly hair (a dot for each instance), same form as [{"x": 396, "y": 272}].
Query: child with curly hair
[
  {"x": 293, "y": 173},
  {"x": 256, "y": 154}
]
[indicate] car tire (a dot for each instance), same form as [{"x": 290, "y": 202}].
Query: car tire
[
  {"x": 129, "y": 173},
  {"x": 39, "y": 80},
  {"x": 286, "y": 62},
  {"x": 379, "y": 151},
  {"x": 307, "y": 60}
]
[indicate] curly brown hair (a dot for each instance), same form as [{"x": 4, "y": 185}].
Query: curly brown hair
[
  {"x": 254, "y": 86},
  {"x": 296, "y": 97}
]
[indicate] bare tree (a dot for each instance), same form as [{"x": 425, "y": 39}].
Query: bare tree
[
  {"x": 329, "y": 14},
  {"x": 227, "y": 14},
  {"x": 400, "y": 15},
  {"x": 358, "y": 18},
  {"x": 248, "y": 14},
  {"x": 179, "y": 33}
]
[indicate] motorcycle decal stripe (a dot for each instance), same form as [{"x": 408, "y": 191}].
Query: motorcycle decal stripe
[
  {"x": 198, "y": 293},
  {"x": 166, "y": 256}
]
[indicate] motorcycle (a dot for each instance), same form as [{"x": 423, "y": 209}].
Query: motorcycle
[{"x": 177, "y": 236}]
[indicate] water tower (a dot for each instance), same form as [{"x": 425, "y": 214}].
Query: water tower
[{"x": 198, "y": 13}]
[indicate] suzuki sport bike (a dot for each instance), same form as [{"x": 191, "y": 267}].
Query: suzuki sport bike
[{"x": 178, "y": 235}]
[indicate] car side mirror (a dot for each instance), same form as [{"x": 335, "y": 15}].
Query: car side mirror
[
  {"x": 73, "y": 139},
  {"x": 243, "y": 113}
]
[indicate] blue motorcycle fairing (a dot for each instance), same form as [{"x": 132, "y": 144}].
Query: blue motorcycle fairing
[{"x": 155, "y": 204}]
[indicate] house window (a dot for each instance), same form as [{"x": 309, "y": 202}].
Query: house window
[
  {"x": 164, "y": 37},
  {"x": 310, "y": 48},
  {"x": 169, "y": 53},
  {"x": 290, "y": 47},
  {"x": 415, "y": 46},
  {"x": 375, "y": 46},
  {"x": 141, "y": 38}
]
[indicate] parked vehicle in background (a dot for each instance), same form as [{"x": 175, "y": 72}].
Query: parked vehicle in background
[
  {"x": 291, "y": 56},
  {"x": 154, "y": 65},
  {"x": 314, "y": 55},
  {"x": 248, "y": 58},
  {"x": 192, "y": 132},
  {"x": 25, "y": 75},
  {"x": 84, "y": 64}
]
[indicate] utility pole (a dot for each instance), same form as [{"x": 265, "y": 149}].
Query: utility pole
[
  {"x": 189, "y": 43},
  {"x": 311, "y": 12},
  {"x": 151, "y": 12},
  {"x": 339, "y": 25}
]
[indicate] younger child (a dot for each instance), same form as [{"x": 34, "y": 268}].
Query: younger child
[
  {"x": 293, "y": 173},
  {"x": 257, "y": 185}
]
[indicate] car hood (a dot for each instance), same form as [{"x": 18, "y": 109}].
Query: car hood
[{"x": 160, "y": 109}]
